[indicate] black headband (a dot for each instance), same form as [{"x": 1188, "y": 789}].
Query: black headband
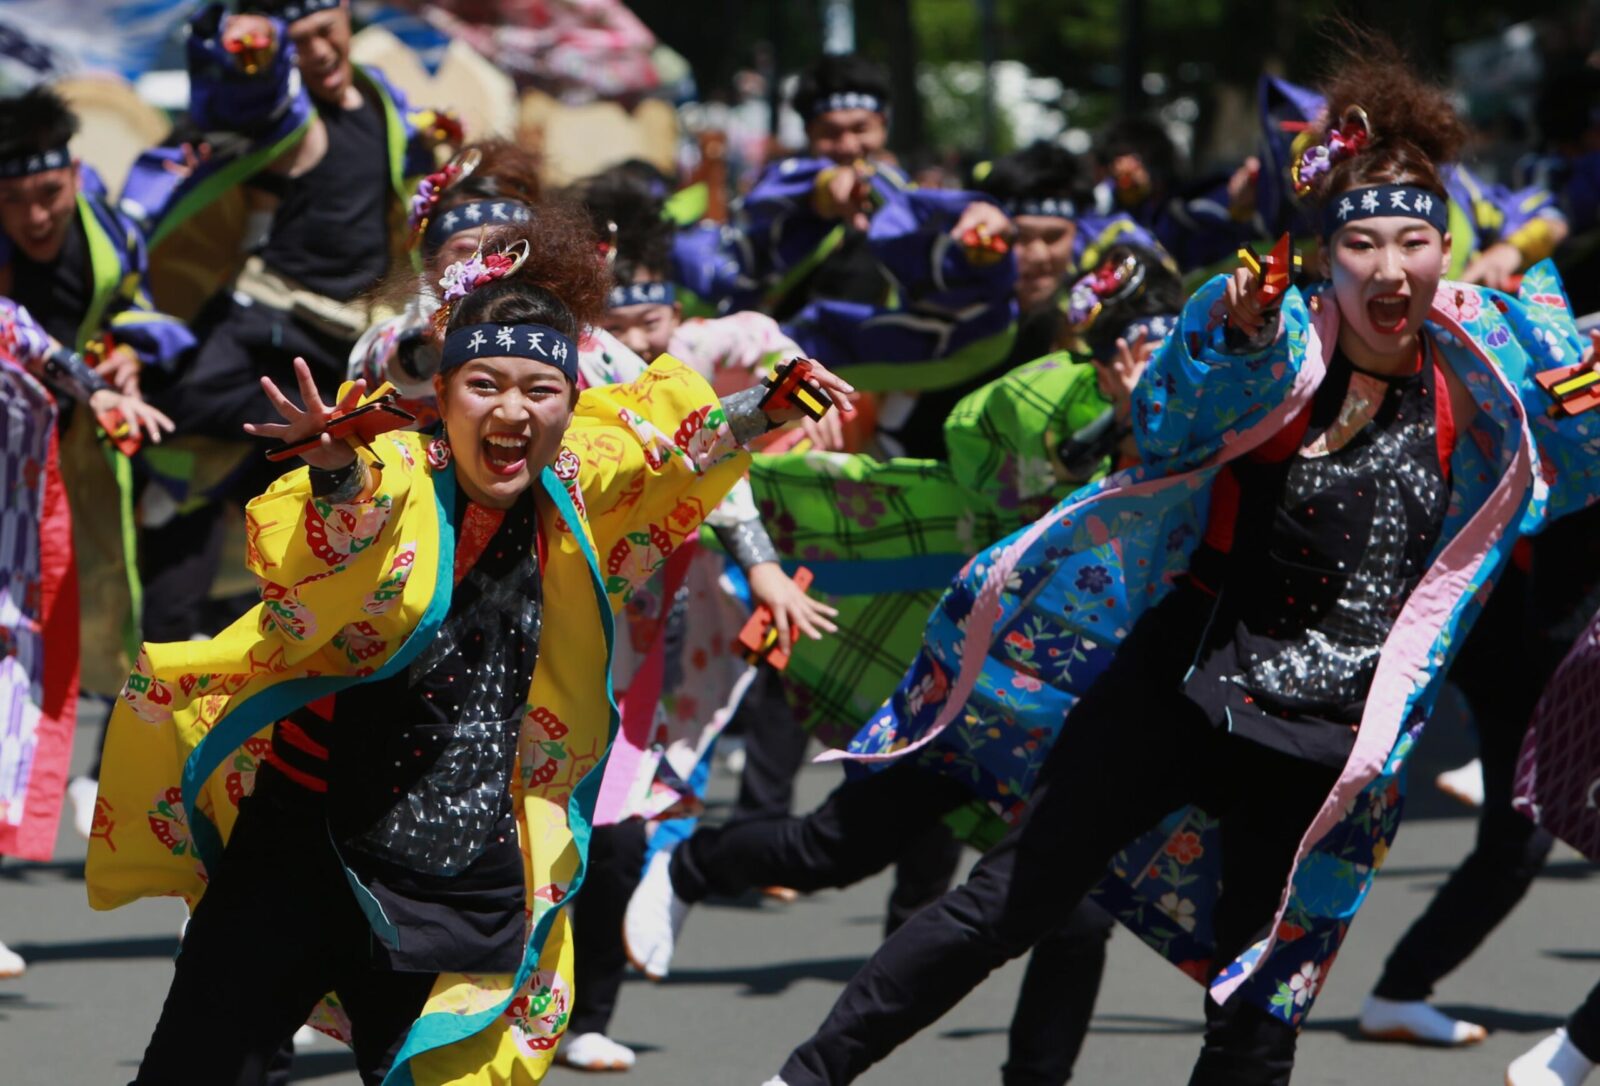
[
  {"x": 29, "y": 163},
  {"x": 539, "y": 342},
  {"x": 441, "y": 225},
  {"x": 1382, "y": 201},
  {"x": 827, "y": 103},
  {"x": 287, "y": 10},
  {"x": 1052, "y": 207},
  {"x": 626, "y": 294}
]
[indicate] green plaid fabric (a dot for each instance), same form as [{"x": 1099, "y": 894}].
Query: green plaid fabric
[{"x": 826, "y": 510}]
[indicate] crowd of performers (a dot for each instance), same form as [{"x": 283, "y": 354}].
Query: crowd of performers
[{"x": 1084, "y": 540}]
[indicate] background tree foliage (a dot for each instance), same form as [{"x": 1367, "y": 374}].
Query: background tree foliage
[{"x": 1198, "y": 48}]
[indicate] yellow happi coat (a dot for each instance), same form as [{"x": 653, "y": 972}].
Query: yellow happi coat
[{"x": 354, "y": 591}]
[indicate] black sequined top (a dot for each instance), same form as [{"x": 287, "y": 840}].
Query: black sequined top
[
  {"x": 1326, "y": 551},
  {"x": 414, "y": 771}
]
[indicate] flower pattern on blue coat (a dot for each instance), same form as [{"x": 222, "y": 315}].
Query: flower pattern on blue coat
[{"x": 1072, "y": 584}]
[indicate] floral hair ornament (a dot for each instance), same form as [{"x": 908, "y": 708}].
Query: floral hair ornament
[
  {"x": 1353, "y": 133},
  {"x": 1111, "y": 281},
  {"x": 435, "y": 185},
  {"x": 465, "y": 276}
]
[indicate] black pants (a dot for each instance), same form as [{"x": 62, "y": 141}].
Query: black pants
[
  {"x": 862, "y": 827},
  {"x": 277, "y": 929},
  {"x": 774, "y": 749},
  {"x": 1133, "y": 750},
  {"x": 923, "y": 872},
  {"x": 1524, "y": 632},
  {"x": 616, "y": 854},
  {"x": 1583, "y": 1028}
]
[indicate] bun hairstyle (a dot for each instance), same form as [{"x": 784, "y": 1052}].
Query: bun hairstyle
[
  {"x": 505, "y": 172},
  {"x": 562, "y": 283},
  {"x": 1412, "y": 128}
]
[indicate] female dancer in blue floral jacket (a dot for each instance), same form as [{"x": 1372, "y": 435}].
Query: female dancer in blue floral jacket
[{"x": 1239, "y": 640}]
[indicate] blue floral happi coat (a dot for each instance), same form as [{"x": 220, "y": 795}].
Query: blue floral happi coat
[{"x": 1032, "y": 621}]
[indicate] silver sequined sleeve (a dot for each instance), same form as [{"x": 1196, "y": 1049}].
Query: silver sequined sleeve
[
  {"x": 341, "y": 486},
  {"x": 745, "y": 418},
  {"x": 748, "y": 542}
]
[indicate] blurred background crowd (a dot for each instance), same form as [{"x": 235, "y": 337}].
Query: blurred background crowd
[{"x": 699, "y": 89}]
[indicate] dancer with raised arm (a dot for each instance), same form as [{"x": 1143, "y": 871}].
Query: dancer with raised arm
[
  {"x": 1239, "y": 641},
  {"x": 380, "y": 778}
]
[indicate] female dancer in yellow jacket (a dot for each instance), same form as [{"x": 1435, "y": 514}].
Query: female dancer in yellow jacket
[{"x": 378, "y": 783}]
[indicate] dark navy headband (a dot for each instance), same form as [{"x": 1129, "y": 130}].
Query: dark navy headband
[
  {"x": 827, "y": 103},
  {"x": 442, "y": 225},
  {"x": 1051, "y": 207},
  {"x": 626, "y": 294},
  {"x": 536, "y": 341},
  {"x": 1380, "y": 201},
  {"x": 32, "y": 162}
]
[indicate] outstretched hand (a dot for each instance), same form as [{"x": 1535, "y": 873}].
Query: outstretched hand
[
  {"x": 837, "y": 388},
  {"x": 985, "y": 217},
  {"x": 1494, "y": 267},
  {"x": 1244, "y": 308},
  {"x": 845, "y": 193},
  {"x": 145, "y": 421},
  {"x": 303, "y": 424},
  {"x": 1120, "y": 374},
  {"x": 247, "y": 31},
  {"x": 792, "y": 609},
  {"x": 825, "y": 434}
]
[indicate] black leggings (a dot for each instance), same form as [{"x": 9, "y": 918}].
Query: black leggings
[
  {"x": 277, "y": 929},
  {"x": 1133, "y": 750}
]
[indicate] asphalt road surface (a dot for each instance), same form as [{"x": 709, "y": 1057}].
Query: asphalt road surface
[{"x": 753, "y": 978}]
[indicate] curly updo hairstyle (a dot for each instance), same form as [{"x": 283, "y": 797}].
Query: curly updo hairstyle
[
  {"x": 1415, "y": 129},
  {"x": 506, "y": 171},
  {"x": 562, "y": 284}
]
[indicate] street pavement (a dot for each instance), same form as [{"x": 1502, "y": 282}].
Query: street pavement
[{"x": 753, "y": 978}]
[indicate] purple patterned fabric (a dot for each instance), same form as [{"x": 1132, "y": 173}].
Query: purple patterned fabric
[
  {"x": 1558, "y": 774},
  {"x": 27, "y": 414}
]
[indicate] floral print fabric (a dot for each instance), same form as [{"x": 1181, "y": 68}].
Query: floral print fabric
[{"x": 1031, "y": 621}]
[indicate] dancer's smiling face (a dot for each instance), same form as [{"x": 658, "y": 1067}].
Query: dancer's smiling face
[
  {"x": 848, "y": 135},
  {"x": 1385, "y": 272},
  {"x": 322, "y": 52},
  {"x": 1044, "y": 256},
  {"x": 505, "y": 418},
  {"x": 36, "y": 211}
]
